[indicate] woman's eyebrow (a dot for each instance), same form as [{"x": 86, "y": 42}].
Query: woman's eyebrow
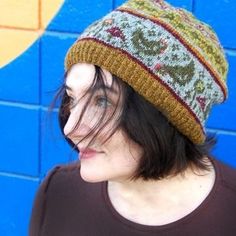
[
  {"x": 68, "y": 88},
  {"x": 109, "y": 89}
]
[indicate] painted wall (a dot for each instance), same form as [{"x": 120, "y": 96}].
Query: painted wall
[{"x": 34, "y": 37}]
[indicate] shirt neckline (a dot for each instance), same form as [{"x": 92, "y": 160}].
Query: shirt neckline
[{"x": 183, "y": 220}]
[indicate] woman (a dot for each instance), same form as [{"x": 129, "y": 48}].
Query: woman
[{"x": 139, "y": 86}]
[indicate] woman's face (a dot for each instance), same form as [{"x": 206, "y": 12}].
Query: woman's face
[{"x": 116, "y": 159}]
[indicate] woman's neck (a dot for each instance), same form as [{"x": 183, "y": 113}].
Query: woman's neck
[{"x": 167, "y": 197}]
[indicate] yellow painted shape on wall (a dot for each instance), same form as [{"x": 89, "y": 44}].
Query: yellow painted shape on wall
[
  {"x": 22, "y": 22},
  {"x": 15, "y": 41},
  {"x": 48, "y": 10},
  {"x": 19, "y": 13}
]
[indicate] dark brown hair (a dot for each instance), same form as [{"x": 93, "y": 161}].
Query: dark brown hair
[{"x": 165, "y": 150}]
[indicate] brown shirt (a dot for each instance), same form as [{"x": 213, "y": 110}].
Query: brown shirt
[{"x": 66, "y": 205}]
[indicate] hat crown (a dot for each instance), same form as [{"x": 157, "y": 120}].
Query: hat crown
[{"x": 165, "y": 54}]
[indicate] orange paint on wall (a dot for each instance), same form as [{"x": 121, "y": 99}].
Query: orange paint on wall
[
  {"x": 21, "y": 23},
  {"x": 19, "y": 13},
  {"x": 48, "y": 10}
]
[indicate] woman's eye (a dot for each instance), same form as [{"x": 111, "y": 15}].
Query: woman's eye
[
  {"x": 102, "y": 102},
  {"x": 72, "y": 102}
]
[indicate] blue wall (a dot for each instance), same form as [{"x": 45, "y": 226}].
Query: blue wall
[{"x": 31, "y": 144}]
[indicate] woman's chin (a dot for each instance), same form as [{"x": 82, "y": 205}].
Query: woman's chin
[{"x": 91, "y": 176}]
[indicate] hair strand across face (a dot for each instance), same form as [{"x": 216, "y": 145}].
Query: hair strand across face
[{"x": 165, "y": 150}]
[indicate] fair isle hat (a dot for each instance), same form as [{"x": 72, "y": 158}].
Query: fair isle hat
[{"x": 165, "y": 54}]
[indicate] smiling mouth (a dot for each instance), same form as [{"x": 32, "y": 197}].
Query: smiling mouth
[{"x": 88, "y": 153}]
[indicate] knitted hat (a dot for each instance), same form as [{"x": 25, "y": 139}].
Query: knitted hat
[{"x": 165, "y": 54}]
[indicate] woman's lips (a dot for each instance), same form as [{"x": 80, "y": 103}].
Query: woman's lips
[{"x": 87, "y": 153}]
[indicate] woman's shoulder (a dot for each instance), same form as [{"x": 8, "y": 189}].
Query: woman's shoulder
[
  {"x": 65, "y": 179},
  {"x": 53, "y": 190},
  {"x": 61, "y": 175},
  {"x": 226, "y": 174},
  {"x": 60, "y": 169}
]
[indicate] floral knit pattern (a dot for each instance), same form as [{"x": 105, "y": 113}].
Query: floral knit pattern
[{"x": 195, "y": 31}]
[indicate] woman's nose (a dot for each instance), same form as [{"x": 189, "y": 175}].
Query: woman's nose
[
  {"x": 72, "y": 128},
  {"x": 69, "y": 126}
]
